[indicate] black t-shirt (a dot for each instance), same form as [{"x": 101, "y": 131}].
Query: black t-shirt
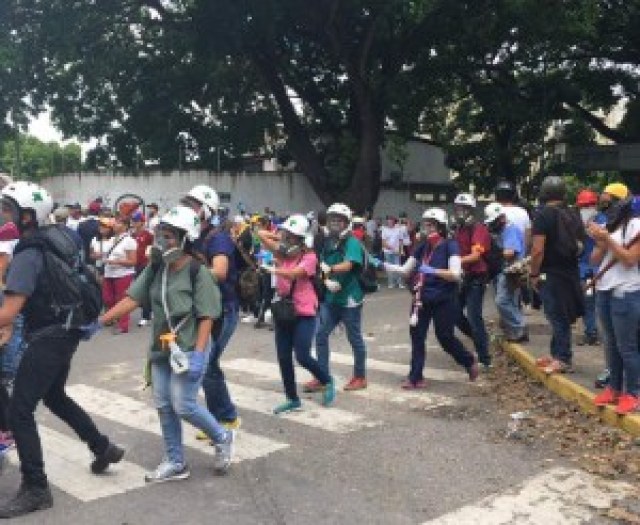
[{"x": 545, "y": 222}]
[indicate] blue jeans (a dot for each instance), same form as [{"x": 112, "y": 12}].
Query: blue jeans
[
  {"x": 620, "y": 317},
  {"x": 394, "y": 279},
  {"x": 472, "y": 325},
  {"x": 589, "y": 318},
  {"x": 176, "y": 397},
  {"x": 214, "y": 385},
  {"x": 14, "y": 350},
  {"x": 443, "y": 314},
  {"x": 560, "y": 345},
  {"x": 508, "y": 305},
  {"x": 330, "y": 316},
  {"x": 297, "y": 339}
]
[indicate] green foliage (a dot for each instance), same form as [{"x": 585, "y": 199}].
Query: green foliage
[{"x": 33, "y": 159}]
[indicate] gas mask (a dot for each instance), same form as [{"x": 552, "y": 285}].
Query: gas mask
[
  {"x": 463, "y": 215},
  {"x": 336, "y": 228},
  {"x": 289, "y": 246},
  {"x": 168, "y": 254}
]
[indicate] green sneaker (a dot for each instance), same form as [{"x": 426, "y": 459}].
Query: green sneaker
[
  {"x": 288, "y": 406},
  {"x": 329, "y": 394}
]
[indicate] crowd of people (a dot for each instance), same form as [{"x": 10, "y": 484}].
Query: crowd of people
[{"x": 195, "y": 272}]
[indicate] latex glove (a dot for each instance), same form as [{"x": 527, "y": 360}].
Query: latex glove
[
  {"x": 427, "y": 270},
  {"x": 87, "y": 331},
  {"x": 267, "y": 268},
  {"x": 325, "y": 268},
  {"x": 196, "y": 365},
  {"x": 332, "y": 286}
]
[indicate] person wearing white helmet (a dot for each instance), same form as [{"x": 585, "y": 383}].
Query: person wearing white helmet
[
  {"x": 475, "y": 242},
  {"x": 185, "y": 320},
  {"x": 44, "y": 366},
  {"x": 511, "y": 241},
  {"x": 342, "y": 259},
  {"x": 434, "y": 269},
  {"x": 295, "y": 270},
  {"x": 216, "y": 248}
]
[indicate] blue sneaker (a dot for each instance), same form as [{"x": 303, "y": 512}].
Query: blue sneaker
[
  {"x": 329, "y": 394},
  {"x": 290, "y": 405}
]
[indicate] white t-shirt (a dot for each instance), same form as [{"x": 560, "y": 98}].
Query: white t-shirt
[
  {"x": 7, "y": 247},
  {"x": 72, "y": 223},
  {"x": 392, "y": 237},
  {"x": 118, "y": 248},
  {"x": 619, "y": 277},
  {"x": 152, "y": 224},
  {"x": 518, "y": 217}
]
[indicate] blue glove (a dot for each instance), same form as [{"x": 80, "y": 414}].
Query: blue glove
[
  {"x": 196, "y": 365},
  {"x": 427, "y": 270},
  {"x": 375, "y": 262},
  {"x": 87, "y": 331}
]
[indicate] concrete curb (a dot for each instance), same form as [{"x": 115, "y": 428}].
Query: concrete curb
[{"x": 565, "y": 388}]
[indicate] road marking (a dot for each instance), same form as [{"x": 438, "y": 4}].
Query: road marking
[
  {"x": 557, "y": 496},
  {"x": 435, "y": 374},
  {"x": 67, "y": 462},
  {"x": 373, "y": 392},
  {"x": 330, "y": 419},
  {"x": 140, "y": 416}
]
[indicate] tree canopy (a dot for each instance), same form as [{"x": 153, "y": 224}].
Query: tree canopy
[{"x": 321, "y": 82}]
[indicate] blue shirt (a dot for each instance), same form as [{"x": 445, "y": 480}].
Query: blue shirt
[
  {"x": 587, "y": 269},
  {"x": 513, "y": 239},
  {"x": 221, "y": 243},
  {"x": 436, "y": 288}
]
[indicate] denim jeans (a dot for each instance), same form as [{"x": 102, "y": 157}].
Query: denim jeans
[
  {"x": 589, "y": 318},
  {"x": 42, "y": 375},
  {"x": 330, "y": 316},
  {"x": 297, "y": 339},
  {"x": 443, "y": 314},
  {"x": 620, "y": 317},
  {"x": 13, "y": 352},
  {"x": 394, "y": 279},
  {"x": 560, "y": 345},
  {"x": 176, "y": 397},
  {"x": 472, "y": 325},
  {"x": 214, "y": 385},
  {"x": 508, "y": 305}
]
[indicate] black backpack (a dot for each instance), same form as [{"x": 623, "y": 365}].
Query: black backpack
[
  {"x": 70, "y": 295},
  {"x": 494, "y": 257},
  {"x": 570, "y": 234}
]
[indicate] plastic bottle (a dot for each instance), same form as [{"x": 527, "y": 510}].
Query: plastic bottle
[{"x": 178, "y": 359}]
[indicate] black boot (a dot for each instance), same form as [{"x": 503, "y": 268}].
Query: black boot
[
  {"x": 28, "y": 499},
  {"x": 113, "y": 454}
]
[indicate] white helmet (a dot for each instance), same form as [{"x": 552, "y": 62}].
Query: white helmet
[
  {"x": 185, "y": 219},
  {"x": 30, "y": 196},
  {"x": 436, "y": 214},
  {"x": 357, "y": 220},
  {"x": 206, "y": 196},
  {"x": 340, "y": 209},
  {"x": 297, "y": 225},
  {"x": 465, "y": 199},
  {"x": 492, "y": 212}
]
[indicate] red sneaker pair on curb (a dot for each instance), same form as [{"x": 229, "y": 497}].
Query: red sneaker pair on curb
[{"x": 625, "y": 403}]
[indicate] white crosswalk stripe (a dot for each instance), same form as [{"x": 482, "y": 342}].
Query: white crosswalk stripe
[
  {"x": 67, "y": 462},
  {"x": 374, "y": 392},
  {"x": 140, "y": 416},
  {"x": 559, "y": 496},
  {"x": 330, "y": 419}
]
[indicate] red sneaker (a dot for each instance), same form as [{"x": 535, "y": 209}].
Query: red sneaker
[
  {"x": 607, "y": 397},
  {"x": 356, "y": 383},
  {"x": 313, "y": 386},
  {"x": 627, "y": 403}
]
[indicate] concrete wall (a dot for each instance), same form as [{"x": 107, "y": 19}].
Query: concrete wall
[
  {"x": 424, "y": 164},
  {"x": 283, "y": 192}
]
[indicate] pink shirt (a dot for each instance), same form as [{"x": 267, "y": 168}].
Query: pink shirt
[{"x": 304, "y": 295}]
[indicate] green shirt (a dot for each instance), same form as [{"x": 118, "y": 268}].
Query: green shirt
[
  {"x": 203, "y": 301},
  {"x": 349, "y": 249}
]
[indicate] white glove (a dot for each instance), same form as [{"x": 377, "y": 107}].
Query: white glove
[
  {"x": 268, "y": 268},
  {"x": 325, "y": 268},
  {"x": 332, "y": 286}
]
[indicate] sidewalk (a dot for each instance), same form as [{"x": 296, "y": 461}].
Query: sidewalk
[{"x": 577, "y": 387}]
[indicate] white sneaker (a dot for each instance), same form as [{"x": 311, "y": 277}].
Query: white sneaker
[
  {"x": 143, "y": 322},
  {"x": 168, "y": 471},
  {"x": 248, "y": 319}
]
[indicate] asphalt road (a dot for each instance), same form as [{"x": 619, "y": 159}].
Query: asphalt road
[{"x": 381, "y": 456}]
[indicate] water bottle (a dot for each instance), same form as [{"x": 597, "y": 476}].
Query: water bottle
[{"x": 178, "y": 359}]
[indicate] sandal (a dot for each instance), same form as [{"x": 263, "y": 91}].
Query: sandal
[
  {"x": 544, "y": 361},
  {"x": 558, "y": 367}
]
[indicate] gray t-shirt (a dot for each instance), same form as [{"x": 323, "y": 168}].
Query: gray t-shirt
[{"x": 23, "y": 273}]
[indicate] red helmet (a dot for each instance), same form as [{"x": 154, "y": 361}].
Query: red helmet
[{"x": 586, "y": 198}]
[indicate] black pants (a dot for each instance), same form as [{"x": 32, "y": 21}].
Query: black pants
[{"x": 42, "y": 375}]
